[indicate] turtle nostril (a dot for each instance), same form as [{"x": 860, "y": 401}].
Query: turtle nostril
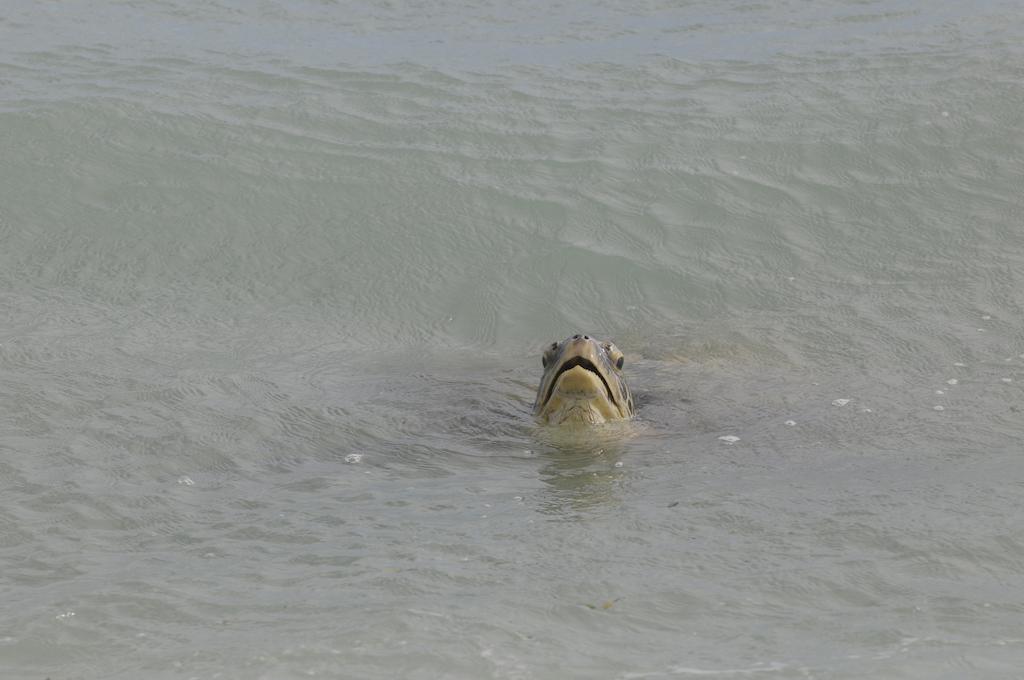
[
  {"x": 575, "y": 337},
  {"x": 586, "y": 337}
]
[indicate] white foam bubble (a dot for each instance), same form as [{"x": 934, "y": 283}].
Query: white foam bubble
[
  {"x": 353, "y": 457},
  {"x": 986, "y": 317},
  {"x": 940, "y": 391},
  {"x": 618, "y": 464},
  {"x": 952, "y": 381},
  {"x": 185, "y": 480},
  {"x": 791, "y": 423},
  {"x": 945, "y": 114},
  {"x": 729, "y": 439},
  {"x": 840, "y": 402},
  {"x": 939, "y": 407},
  {"x": 960, "y": 364},
  {"x": 1007, "y": 380}
]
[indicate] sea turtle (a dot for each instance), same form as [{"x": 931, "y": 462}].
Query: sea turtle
[{"x": 582, "y": 383}]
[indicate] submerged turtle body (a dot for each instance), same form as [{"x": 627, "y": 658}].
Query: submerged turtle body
[{"x": 582, "y": 383}]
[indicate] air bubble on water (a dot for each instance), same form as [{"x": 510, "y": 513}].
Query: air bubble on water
[
  {"x": 939, "y": 407},
  {"x": 517, "y": 498},
  {"x": 1007, "y": 380},
  {"x": 185, "y": 480},
  {"x": 961, "y": 364},
  {"x": 618, "y": 464},
  {"x": 729, "y": 439},
  {"x": 866, "y": 410},
  {"x": 64, "y": 616},
  {"x": 791, "y": 423},
  {"x": 353, "y": 457},
  {"x": 940, "y": 391},
  {"x": 840, "y": 402},
  {"x": 952, "y": 381},
  {"x": 987, "y": 317},
  {"x": 981, "y": 330},
  {"x": 945, "y": 114}
]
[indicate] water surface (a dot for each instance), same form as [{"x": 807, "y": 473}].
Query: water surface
[{"x": 275, "y": 281}]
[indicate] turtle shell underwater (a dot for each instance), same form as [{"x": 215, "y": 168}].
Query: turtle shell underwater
[{"x": 582, "y": 383}]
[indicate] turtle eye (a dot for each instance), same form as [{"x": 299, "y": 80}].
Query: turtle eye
[
  {"x": 548, "y": 353},
  {"x": 614, "y": 355}
]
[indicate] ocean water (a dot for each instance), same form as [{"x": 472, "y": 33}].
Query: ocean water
[{"x": 275, "y": 278}]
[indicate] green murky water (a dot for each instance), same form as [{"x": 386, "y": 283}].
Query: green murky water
[{"x": 275, "y": 279}]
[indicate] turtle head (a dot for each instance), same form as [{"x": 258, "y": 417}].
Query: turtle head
[{"x": 582, "y": 383}]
